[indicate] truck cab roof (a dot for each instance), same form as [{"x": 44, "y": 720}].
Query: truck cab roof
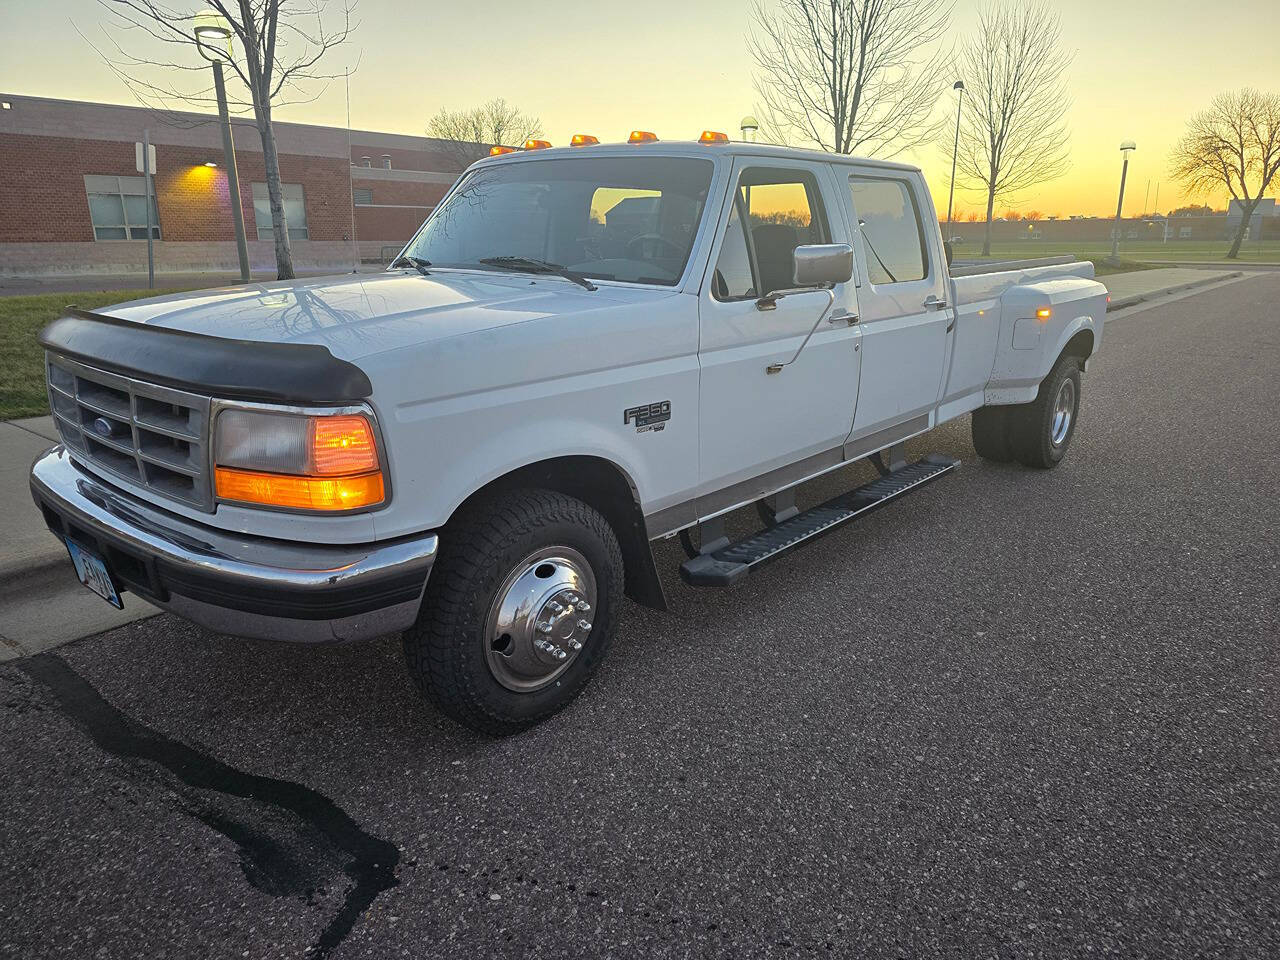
[{"x": 693, "y": 148}]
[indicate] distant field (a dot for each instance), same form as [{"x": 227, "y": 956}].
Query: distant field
[{"x": 1180, "y": 251}]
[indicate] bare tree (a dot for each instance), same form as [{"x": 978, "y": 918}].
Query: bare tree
[
  {"x": 850, "y": 76},
  {"x": 472, "y": 132},
  {"x": 1013, "y": 134},
  {"x": 280, "y": 44},
  {"x": 1233, "y": 144}
]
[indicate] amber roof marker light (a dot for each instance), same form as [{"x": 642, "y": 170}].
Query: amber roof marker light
[
  {"x": 711, "y": 136},
  {"x": 499, "y": 151},
  {"x": 642, "y": 136},
  {"x": 583, "y": 140},
  {"x": 532, "y": 144}
]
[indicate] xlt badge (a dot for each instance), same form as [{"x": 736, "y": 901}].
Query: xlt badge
[{"x": 648, "y": 416}]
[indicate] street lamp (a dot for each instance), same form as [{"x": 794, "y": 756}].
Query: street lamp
[
  {"x": 955, "y": 151},
  {"x": 1126, "y": 148},
  {"x": 213, "y": 40},
  {"x": 748, "y": 125}
]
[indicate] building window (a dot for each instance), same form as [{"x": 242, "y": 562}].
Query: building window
[
  {"x": 386, "y": 161},
  {"x": 362, "y": 197},
  {"x": 118, "y": 208},
  {"x": 295, "y": 211}
]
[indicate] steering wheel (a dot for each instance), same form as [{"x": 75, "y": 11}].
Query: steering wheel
[{"x": 636, "y": 251}]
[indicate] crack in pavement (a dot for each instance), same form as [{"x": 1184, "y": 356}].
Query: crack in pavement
[{"x": 291, "y": 838}]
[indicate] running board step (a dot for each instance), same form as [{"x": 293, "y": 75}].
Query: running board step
[{"x": 730, "y": 564}]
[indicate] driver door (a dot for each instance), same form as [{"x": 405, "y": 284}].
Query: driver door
[{"x": 759, "y": 429}]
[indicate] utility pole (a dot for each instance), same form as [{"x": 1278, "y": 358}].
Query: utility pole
[
  {"x": 1126, "y": 148},
  {"x": 233, "y": 175},
  {"x": 955, "y": 150},
  {"x": 213, "y": 39},
  {"x": 149, "y": 189}
]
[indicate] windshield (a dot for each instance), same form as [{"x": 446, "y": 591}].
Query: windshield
[{"x": 607, "y": 218}]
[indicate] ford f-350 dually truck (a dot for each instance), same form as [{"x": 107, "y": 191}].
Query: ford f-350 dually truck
[{"x": 582, "y": 350}]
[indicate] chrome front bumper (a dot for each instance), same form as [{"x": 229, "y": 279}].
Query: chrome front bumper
[{"x": 235, "y": 583}]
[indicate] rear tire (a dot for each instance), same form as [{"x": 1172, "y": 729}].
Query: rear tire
[
  {"x": 500, "y": 643},
  {"x": 990, "y": 430},
  {"x": 1041, "y": 431}
]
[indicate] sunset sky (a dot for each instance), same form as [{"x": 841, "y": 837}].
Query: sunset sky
[{"x": 677, "y": 67}]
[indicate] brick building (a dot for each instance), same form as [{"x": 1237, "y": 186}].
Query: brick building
[{"x": 74, "y": 202}]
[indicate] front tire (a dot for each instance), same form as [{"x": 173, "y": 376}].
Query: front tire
[{"x": 519, "y": 611}]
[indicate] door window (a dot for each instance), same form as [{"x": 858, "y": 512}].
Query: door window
[
  {"x": 781, "y": 210},
  {"x": 892, "y": 232}
]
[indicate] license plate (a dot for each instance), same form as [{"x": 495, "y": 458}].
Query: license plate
[{"x": 93, "y": 573}]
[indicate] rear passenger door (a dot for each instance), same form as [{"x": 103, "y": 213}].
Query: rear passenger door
[
  {"x": 905, "y": 316},
  {"x": 753, "y": 422}
]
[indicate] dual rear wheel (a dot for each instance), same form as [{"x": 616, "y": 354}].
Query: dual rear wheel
[{"x": 1036, "y": 434}]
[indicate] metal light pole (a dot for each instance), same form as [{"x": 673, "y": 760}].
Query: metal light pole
[
  {"x": 1126, "y": 148},
  {"x": 213, "y": 38},
  {"x": 955, "y": 152}
]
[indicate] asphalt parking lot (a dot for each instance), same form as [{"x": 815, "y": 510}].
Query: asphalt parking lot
[{"x": 1016, "y": 715}]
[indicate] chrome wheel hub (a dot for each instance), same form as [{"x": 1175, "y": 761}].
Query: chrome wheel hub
[
  {"x": 1064, "y": 408},
  {"x": 540, "y": 619}
]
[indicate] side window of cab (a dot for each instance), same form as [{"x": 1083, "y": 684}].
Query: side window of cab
[
  {"x": 892, "y": 230},
  {"x": 774, "y": 211}
]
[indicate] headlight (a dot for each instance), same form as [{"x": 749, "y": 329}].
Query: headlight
[{"x": 297, "y": 461}]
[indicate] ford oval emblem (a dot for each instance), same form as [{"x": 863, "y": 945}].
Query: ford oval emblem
[{"x": 102, "y": 427}]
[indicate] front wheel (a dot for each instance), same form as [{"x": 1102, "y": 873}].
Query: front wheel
[{"x": 519, "y": 610}]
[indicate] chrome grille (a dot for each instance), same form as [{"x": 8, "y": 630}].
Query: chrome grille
[{"x": 151, "y": 436}]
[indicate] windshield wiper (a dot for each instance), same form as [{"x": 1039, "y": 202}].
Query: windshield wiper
[
  {"x": 532, "y": 265},
  {"x": 416, "y": 262}
]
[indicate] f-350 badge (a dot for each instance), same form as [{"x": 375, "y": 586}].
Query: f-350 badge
[{"x": 649, "y": 416}]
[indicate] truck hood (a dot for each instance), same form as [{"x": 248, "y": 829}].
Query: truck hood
[{"x": 360, "y": 315}]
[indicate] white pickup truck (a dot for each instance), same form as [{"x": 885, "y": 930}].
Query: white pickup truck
[{"x": 582, "y": 350}]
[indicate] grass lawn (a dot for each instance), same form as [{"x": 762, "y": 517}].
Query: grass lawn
[
  {"x": 1180, "y": 251},
  {"x": 22, "y": 360}
]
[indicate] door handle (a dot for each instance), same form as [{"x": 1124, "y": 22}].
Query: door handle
[
  {"x": 934, "y": 303},
  {"x": 844, "y": 315}
]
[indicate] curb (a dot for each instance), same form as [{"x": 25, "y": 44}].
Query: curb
[
  {"x": 41, "y": 565},
  {"x": 1167, "y": 291}
]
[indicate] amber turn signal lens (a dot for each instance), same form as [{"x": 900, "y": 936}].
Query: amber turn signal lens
[
  {"x": 537, "y": 144},
  {"x": 300, "y": 493},
  {"x": 342, "y": 445},
  {"x": 1044, "y": 313},
  {"x": 499, "y": 151},
  {"x": 583, "y": 140},
  {"x": 642, "y": 136},
  {"x": 711, "y": 136}
]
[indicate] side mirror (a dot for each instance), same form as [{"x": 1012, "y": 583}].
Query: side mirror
[{"x": 822, "y": 263}]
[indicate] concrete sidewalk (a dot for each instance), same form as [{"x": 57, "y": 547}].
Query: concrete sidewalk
[
  {"x": 1127, "y": 289},
  {"x": 42, "y": 605},
  {"x": 28, "y": 546}
]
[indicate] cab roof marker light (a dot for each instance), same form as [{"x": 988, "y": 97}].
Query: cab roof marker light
[
  {"x": 583, "y": 140},
  {"x": 499, "y": 151},
  {"x": 532, "y": 144},
  {"x": 711, "y": 136},
  {"x": 642, "y": 136}
]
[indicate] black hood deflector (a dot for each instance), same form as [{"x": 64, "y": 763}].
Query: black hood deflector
[{"x": 300, "y": 373}]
